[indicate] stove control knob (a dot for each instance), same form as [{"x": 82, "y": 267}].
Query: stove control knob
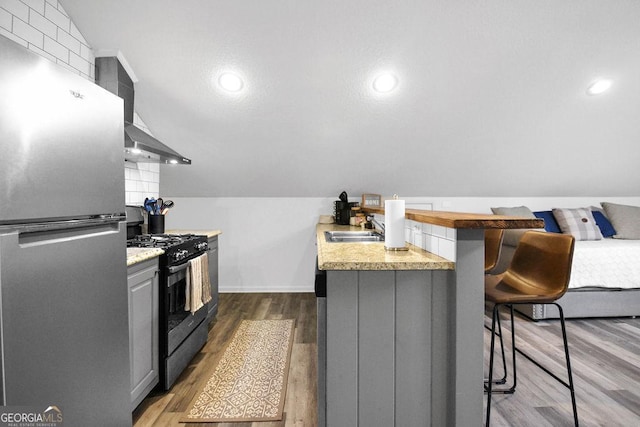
[
  {"x": 202, "y": 246},
  {"x": 181, "y": 254}
]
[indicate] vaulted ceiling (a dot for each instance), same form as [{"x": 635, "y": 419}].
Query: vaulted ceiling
[{"x": 490, "y": 97}]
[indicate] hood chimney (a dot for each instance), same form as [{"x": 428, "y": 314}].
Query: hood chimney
[{"x": 139, "y": 145}]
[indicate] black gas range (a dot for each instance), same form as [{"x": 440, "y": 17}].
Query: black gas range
[
  {"x": 177, "y": 247},
  {"x": 182, "y": 332}
]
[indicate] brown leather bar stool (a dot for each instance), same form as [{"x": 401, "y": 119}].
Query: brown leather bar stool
[
  {"x": 539, "y": 274},
  {"x": 492, "y": 248}
]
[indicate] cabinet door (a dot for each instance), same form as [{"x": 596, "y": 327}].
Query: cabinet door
[
  {"x": 213, "y": 277},
  {"x": 143, "y": 329}
]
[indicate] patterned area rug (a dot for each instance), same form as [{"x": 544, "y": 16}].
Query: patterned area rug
[{"x": 250, "y": 381}]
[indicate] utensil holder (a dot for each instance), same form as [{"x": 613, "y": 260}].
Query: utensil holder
[{"x": 156, "y": 224}]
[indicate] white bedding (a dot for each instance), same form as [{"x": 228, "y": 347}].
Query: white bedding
[{"x": 606, "y": 263}]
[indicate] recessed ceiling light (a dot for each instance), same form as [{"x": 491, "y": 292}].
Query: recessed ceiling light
[
  {"x": 230, "y": 82},
  {"x": 173, "y": 161},
  {"x": 385, "y": 83},
  {"x": 599, "y": 86}
]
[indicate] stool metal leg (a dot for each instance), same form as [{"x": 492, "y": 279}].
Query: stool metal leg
[
  {"x": 566, "y": 353},
  {"x": 568, "y": 384},
  {"x": 512, "y": 388},
  {"x": 489, "y": 384},
  {"x": 502, "y": 380}
]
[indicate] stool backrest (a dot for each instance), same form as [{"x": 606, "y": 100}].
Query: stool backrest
[
  {"x": 492, "y": 246},
  {"x": 541, "y": 264}
]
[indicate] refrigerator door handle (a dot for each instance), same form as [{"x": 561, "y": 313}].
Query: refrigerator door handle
[{"x": 28, "y": 238}]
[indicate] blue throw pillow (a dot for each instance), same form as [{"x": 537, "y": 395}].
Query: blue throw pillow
[
  {"x": 550, "y": 223},
  {"x": 603, "y": 222}
]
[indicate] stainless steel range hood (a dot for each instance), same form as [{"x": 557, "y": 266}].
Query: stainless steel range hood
[{"x": 139, "y": 145}]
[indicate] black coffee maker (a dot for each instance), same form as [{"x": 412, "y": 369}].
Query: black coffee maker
[{"x": 342, "y": 209}]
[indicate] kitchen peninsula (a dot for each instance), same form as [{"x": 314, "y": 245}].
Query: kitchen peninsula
[{"x": 400, "y": 334}]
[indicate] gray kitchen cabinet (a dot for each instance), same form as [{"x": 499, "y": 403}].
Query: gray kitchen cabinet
[
  {"x": 143, "y": 285},
  {"x": 213, "y": 278}
]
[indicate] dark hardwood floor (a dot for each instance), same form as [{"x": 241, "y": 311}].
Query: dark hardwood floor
[
  {"x": 605, "y": 355},
  {"x": 162, "y": 409}
]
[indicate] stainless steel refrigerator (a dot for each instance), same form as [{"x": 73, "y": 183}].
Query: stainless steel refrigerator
[{"x": 63, "y": 284}]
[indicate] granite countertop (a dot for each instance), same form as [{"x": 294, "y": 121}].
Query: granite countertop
[
  {"x": 136, "y": 255},
  {"x": 208, "y": 233},
  {"x": 372, "y": 255}
]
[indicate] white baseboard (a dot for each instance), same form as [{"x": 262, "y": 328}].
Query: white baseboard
[{"x": 266, "y": 289}]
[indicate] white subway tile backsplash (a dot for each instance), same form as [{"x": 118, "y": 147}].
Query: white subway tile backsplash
[
  {"x": 68, "y": 41},
  {"x": 25, "y": 31},
  {"x": 42, "y": 24},
  {"x": 77, "y": 34},
  {"x": 16, "y": 8},
  {"x": 132, "y": 171},
  {"x": 60, "y": 8},
  {"x": 415, "y": 233},
  {"x": 13, "y": 37},
  {"x": 447, "y": 249},
  {"x": 426, "y": 228},
  {"x": 56, "y": 49},
  {"x": 141, "y": 180},
  {"x": 79, "y": 63},
  {"x": 37, "y": 5},
  {"x": 452, "y": 234},
  {"x": 431, "y": 244},
  {"x": 42, "y": 53},
  {"x": 439, "y": 231},
  {"x": 87, "y": 54},
  {"x": 435, "y": 239},
  {"x": 6, "y": 20},
  {"x": 52, "y": 13}
]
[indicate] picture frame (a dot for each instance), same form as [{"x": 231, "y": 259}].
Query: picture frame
[{"x": 371, "y": 201}]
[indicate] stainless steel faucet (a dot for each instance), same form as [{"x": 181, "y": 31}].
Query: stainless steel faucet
[{"x": 377, "y": 223}]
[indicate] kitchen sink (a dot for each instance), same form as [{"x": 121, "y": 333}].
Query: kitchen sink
[{"x": 353, "y": 236}]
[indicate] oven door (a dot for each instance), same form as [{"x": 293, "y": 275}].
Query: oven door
[{"x": 179, "y": 323}]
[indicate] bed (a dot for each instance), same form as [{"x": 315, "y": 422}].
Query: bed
[{"x": 605, "y": 279}]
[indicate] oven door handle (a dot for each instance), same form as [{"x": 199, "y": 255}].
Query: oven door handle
[{"x": 178, "y": 268}]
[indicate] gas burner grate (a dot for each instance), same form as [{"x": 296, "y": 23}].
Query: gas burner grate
[{"x": 159, "y": 240}]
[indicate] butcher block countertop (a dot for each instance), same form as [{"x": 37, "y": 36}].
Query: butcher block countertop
[
  {"x": 466, "y": 220},
  {"x": 372, "y": 255}
]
